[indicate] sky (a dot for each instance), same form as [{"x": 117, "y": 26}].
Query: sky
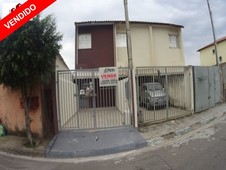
[{"x": 192, "y": 14}]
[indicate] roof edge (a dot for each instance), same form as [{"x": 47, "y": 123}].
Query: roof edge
[
  {"x": 218, "y": 41},
  {"x": 86, "y": 23}
]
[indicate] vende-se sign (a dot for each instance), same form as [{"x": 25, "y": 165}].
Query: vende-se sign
[{"x": 108, "y": 76}]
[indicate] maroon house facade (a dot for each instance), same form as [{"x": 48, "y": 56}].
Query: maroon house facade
[{"x": 98, "y": 53}]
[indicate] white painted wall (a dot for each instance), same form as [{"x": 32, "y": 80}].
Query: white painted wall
[
  {"x": 163, "y": 54},
  {"x": 60, "y": 64},
  {"x": 150, "y": 46},
  {"x": 122, "y": 102},
  {"x": 65, "y": 92},
  {"x": 67, "y": 100}
]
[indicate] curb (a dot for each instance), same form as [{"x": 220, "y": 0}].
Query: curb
[
  {"x": 110, "y": 142},
  {"x": 50, "y": 145},
  {"x": 180, "y": 132},
  {"x": 148, "y": 142},
  {"x": 24, "y": 152}
]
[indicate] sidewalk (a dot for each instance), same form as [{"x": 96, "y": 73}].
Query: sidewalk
[
  {"x": 15, "y": 145},
  {"x": 84, "y": 143},
  {"x": 153, "y": 134}
]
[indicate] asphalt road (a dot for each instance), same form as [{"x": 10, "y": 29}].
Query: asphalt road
[{"x": 204, "y": 148}]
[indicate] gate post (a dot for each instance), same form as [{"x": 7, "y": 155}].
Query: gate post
[
  {"x": 94, "y": 100},
  {"x": 58, "y": 101},
  {"x": 167, "y": 93},
  {"x": 221, "y": 84},
  {"x": 191, "y": 79},
  {"x": 134, "y": 98}
]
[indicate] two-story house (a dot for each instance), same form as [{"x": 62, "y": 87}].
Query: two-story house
[
  {"x": 103, "y": 44},
  {"x": 208, "y": 56}
]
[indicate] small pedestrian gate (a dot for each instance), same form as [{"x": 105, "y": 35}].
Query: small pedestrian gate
[{"x": 83, "y": 104}]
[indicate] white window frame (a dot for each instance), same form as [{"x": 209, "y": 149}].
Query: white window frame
[
  {"x": 121, "y": 40},
  {"x": 84, "y": 41},
  {"x": 173, "y": 41}
]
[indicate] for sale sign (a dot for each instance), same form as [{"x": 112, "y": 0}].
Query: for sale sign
[{"x": 108, "y": 76}]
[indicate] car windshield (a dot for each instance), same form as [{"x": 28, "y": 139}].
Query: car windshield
[{"x": 153, "y": 87}]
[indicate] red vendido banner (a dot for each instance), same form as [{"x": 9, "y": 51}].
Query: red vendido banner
[{"x": 21, "y": 15}]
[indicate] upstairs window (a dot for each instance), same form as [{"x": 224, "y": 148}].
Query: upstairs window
[
  {"x": 173, "y": 41},
  {"x": 84, "y": 41},
  {"x": 121, "y": 40}
]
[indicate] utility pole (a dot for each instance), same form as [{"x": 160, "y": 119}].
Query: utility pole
[
  {"x": 128, "y": 35},
  {"x": 214, "y": 35},
  {"x": 216, "y": 52},
  {"x": 130, "y": 61}
]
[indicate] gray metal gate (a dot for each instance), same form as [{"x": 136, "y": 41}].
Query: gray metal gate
[
  {"x": 207, "y": 87},
  {"x": 223, "y": 70},
  {"x": 83, "y": 104},
  {"x": 163, "y": 93}
]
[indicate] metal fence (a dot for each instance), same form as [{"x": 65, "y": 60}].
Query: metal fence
[
  {"x": 223, "y": 79},
  {"x": 163, "y": 93},
  {"x": 83, "y": 104},
  {"x": 207, "y": 87}
]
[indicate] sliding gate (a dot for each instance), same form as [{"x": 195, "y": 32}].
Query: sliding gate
[
  {"x": 83, "y": 104},
  {"x": 163, "y": 93}
]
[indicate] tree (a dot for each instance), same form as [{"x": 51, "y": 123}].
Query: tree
[{"x": 27, "y": 57}]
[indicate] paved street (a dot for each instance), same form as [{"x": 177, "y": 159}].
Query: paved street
[{"x": 203, "y": 148}]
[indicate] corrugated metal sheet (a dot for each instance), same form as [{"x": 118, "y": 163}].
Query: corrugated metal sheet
[
  {"x": 89, "y": 73},
  {"x": 171, "y": 70}
]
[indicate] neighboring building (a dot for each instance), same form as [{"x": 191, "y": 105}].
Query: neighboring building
[
  {"x": 103, "y": 44},
  {"x": 12, "y": 111},
  {"x": 60, "y": 63},
  {"x": 49, "y": 100},
  {"x": 43, "y": 107},
  {"x": 207, "y": 53}
]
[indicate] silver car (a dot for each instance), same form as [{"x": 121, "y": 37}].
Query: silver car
[{"x": 152, "y": 95}]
